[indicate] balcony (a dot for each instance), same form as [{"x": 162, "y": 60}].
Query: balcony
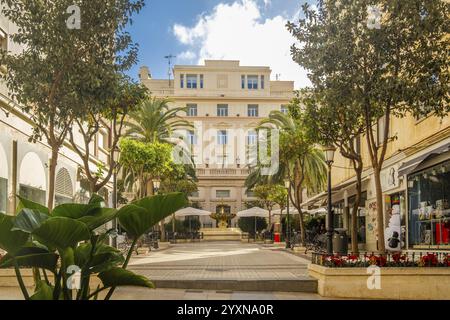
[{"x": 222, "y": 172}]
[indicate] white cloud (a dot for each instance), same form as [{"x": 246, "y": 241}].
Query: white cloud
[
  {"x": 187, "y": 56},
  {"x": 238, "y": 32}
]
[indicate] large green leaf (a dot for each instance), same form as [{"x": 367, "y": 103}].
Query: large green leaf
[
  {"x": 96, "y": 199},
  {"x": 28, "y": 204},
  {"x": 120, "y": 277},
  {"x": 139, "y": 216},
  {"x": 29, "y": 257},
  {"x": 11, "y": 241},
  {"x": 43, "y": 292},
  {"x": 62, "y": 232},
  {"x": 99, "y": 217},
  {"x": 104, "y": 257},
  {"x": 28, "y": 220},
  {"x": 75, "y": 210}
]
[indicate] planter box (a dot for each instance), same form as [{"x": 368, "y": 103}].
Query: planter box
[
  {"x": 8, "y": 279},
  {"x": 396, "y": 283}
]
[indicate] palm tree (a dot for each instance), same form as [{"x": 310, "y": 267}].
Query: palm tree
[
  {"x": 300, "y": 161},
  {"x": 155, "y": 121}
]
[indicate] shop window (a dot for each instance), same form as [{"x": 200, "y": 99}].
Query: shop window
[
  {"x": 429, "y": 208},
  {"x": 338, "y": 220},
  {"x": 395, "y": 232},
  {"x": 222, "y": 193},
  {"x": 3, "y": 194}
]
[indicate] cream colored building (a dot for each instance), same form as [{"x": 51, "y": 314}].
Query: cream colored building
[
  {"x": 24, "y": 165},
  {"x": 226, "y": 101}
]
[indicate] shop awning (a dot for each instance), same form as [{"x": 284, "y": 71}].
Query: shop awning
[
  {"x": 186, "y": 212},
  {"x": 410, "y": 166}
]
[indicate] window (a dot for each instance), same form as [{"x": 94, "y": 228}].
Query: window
[
  {"x": 181, "y": 81},
  {"x": 191, "y": 81},
  {"x": 357, "y": 144},
  {"x": 284, "y": 109},
  {"x": 243, "y": 82},
  {"x": 103, "y": 140},
  {"x": 63, "y": 187},
  {"x": 222, "y": 110},
  {"x": 191, "y": 110},
  {"x": 222, "y": 193},
  {"x": 191, "y": 137},
  {"x": 195, "y": 194},
  {"x": 3, "y": 194},
  {"x": 222, "y": 137},
  {"x": 252, "y": 138},
  {"x": 33, "y": 194},
  {"x": 252, "y": 82},
  {"x": 201, "y": 81},
  {"x": 262, "y": 82},
  {"x": 252, "y": 110},
  {"x": 250, "y": 194},
  {"x": 380, "y": 130}
]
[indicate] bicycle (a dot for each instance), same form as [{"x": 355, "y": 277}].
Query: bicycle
[
  {"x": 125, "y": 245},
  {"x": 315, "y": 242}
]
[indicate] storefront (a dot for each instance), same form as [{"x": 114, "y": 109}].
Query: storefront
[{"x": 428, "y": 206}]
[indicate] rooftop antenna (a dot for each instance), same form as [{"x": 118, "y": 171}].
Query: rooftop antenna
[{"x": 169, "y": 61}]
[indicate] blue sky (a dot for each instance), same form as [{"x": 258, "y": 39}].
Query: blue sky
[{"x": 248, "y": 30}]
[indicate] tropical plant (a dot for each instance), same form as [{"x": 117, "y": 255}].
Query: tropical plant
[
  {"x": 300, "y": 160},
  {"x": 66, "y": 249},
  {"x": 155, "y": 121}
]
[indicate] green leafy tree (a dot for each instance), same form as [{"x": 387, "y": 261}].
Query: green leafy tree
[
  {"x": 252, "y": 224},
  {"x": 154, "y": 121},
  {"x": 124, "y": 97},
  {"x": 300, "y": 160},
  {"x": 60, "y": 66},
  {"x": 330, "y": 120},
  {"x": 144, "y": 162},
  {"x": 270, "y": 195},
  {"x": 393, "y": 63}
]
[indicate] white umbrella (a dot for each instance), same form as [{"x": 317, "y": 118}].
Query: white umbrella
[
  {"x": 253, "y": 212},
  {"x": 185, "y": 212},
  {"x": 321, "y": 210},
  {"x": 292, "y": 210},
  {"x": 189, "y": 211}
]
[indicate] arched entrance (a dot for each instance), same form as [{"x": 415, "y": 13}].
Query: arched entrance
[
  {"x": 32, "y": 178},
  {"x": 3, "y": 180}
]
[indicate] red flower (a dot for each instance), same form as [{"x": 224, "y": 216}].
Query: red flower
[{"x": 429, "y": 260}]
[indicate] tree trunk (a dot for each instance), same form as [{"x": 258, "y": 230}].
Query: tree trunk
[
  {"x": 52, "y": 177},
  {"x": 354, "y": 230},
  {"x": 380, "y": 215}
]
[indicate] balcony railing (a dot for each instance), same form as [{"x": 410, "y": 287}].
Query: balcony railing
[{"x": 216, "y": 172}]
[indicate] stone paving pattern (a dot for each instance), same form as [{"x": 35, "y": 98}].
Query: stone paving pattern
[{"x": 221, "y": 261}]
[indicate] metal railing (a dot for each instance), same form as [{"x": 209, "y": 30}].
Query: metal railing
[{"x": 404, "y": 259}]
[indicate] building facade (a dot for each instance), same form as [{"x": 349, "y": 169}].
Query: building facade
[
  {"x": 225, "y": 101},
  {"x": 24, "y": 166},
  {"x": 415, "y": 184}
]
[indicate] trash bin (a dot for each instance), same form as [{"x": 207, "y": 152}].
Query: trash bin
[
  {"x": 277, "y": 237},
  {"x": 340, "y": 241}
]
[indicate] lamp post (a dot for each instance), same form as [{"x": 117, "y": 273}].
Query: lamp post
[
  {"x": 115, "y": 162},
  {"x": 329, "y": 159},
  {"x": 156, "y": 185},
  {"x": 287, "y": 184}
]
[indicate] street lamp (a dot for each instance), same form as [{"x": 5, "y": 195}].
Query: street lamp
[
  {"x": 156, "y": 185},
  {"x": 329, "y": 159},
  {"x": 287, "y": 184},
  {"x": 115, "y": 163}
]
